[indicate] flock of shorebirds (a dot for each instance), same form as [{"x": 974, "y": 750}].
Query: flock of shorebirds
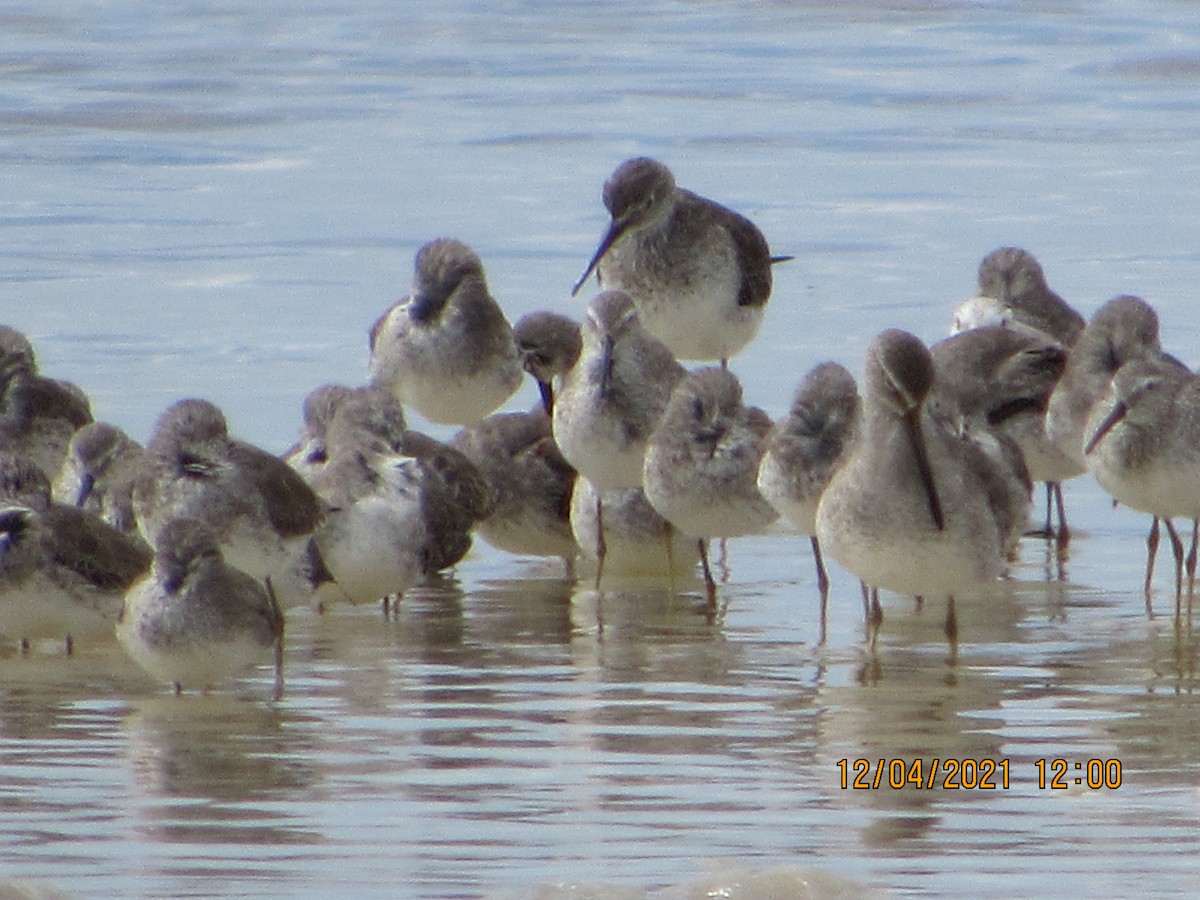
[{"x": 192, "y": 546}]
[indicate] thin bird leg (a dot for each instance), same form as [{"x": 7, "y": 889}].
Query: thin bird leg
[
  {"x": 872, "y": 611},
  {"x": 710, "y": 586},
  {"x": 1192, "y": 568},
  {"x": 1177, "y": 548},
  {"x": 668, "y": 536},
  {"x": 1064, "y": 533},
  {"x": 277, "y": 613},
  {"x": 1047, "y": 530},
  {"x": 1190, "y": 562},
  {"x": 874, "y": 614},
  {"x": 601, "y": 546},
  {"x": 822, "y": 587},
  {"x": 951, "y": 629},
  {"x": 1151, "y": 553}
]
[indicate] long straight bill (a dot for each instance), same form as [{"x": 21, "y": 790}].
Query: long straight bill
[
  {"x": 912, "y": 419},
  {"x": 615, "y": 230},
  {"x": 1115, "y": 415}
]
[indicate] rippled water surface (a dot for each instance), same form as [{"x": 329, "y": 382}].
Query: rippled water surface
[{"x": 217, "y": 199}]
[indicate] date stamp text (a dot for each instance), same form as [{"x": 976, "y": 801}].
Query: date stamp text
[{"x": 966, "y": 774}]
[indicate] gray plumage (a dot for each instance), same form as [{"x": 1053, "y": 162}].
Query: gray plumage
[
  {"x": 699, "y": 273},
  {"x": 446, "y": 349}
]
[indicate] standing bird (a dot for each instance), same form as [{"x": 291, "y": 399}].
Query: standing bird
[
  {"x": 373, "y": 537},
  {"x": 63, "y": 571},
  {"x": 919, "y": 508},
  {"x": 805, "y": 448},
  {"x": 1123, "y": 329},
  {"x": 702, "y": 462},
  {"x": 262, "y": 512},
  {"x": 612, "y": 399},
  {"x": 1015, "y": 278},
  {"x": 530, "y": 481},
  {"x": 1143, "y": 446},
  {"x": 194, "y": 619},
  {"x": 1014, "y": 293},
  {"x": 636, "y": 540},
  {"x": 372, "y": 455},
  {"x": 446, "y": 349},
  {"x": 699, "y": 273},
  {"x": 38, "y": 415},
  {"x": 1002, "y": 378}
]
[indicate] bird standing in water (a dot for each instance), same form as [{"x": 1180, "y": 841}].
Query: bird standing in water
[
  {"x": 918, "y": 508},
  {"x": 698, "y": 272},
  {"x": 194, "y": 619},
  {"x": 1013, "y": 292},
  {"x": 805, "y": 448},
  {"x": 1122, "y": 330},
  {"x": 446, "y": 349},
  {"x": 612, "y": 399},
  {"x": 701, "y": 467}
]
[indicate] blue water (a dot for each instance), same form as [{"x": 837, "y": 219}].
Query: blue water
[{"x": 218, "y": 199}]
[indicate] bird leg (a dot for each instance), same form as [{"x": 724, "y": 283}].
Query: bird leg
[
  {"x": 1177, "y": 549},
  {"x": 951, "y": 629},
  {"x": 601, "y": 546},
  {"x": 1151, "y": 554},
  {"x": 822, "y": 587},
  {"x": 1064, "y": 533},
  {"x": 710, "y": 586}
]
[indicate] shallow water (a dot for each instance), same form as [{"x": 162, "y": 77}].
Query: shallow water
[{"x": 218, "y": 200}]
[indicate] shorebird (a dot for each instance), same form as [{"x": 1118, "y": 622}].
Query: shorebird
[
  {"x": 638, "y": 541},
  {"x": 262, "y": 513},
  {"x": 1003, "y": 378},
  {"x": 310, "y": 453},
  {"x": 455, "y": 497},
  {"x": 530, "y": 479},
  {"x": 612, "y": 398},
  {"x": 919, "y": 508},
  {"x": 38, "y": 415},
  {"x": 1013, "y": 292},
  {"x": 1123, "y": 329},
  {"x": 446, "y": 349},
  {"x": 98, "y": 474},
  {"x": 531, "y": 484},
  {"x": 63, "y": 571},
  {"x": 549, "y": 344},
  {"x": 373, "y": 538},
  {"x": 372, "y": 454},
  {"x": 804, "y": 449},
  {"x": 1143, "y": 446},
  {"x": 699, "y": 273},
  {"x": 193, "y": 620},
  {"x": 1015, "y": 278},
  {"x": 614, "y": 395},
  {"x": 701, "y": 466}
]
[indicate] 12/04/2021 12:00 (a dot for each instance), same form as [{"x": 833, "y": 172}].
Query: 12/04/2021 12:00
[{"x": 973, "y": 774}]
